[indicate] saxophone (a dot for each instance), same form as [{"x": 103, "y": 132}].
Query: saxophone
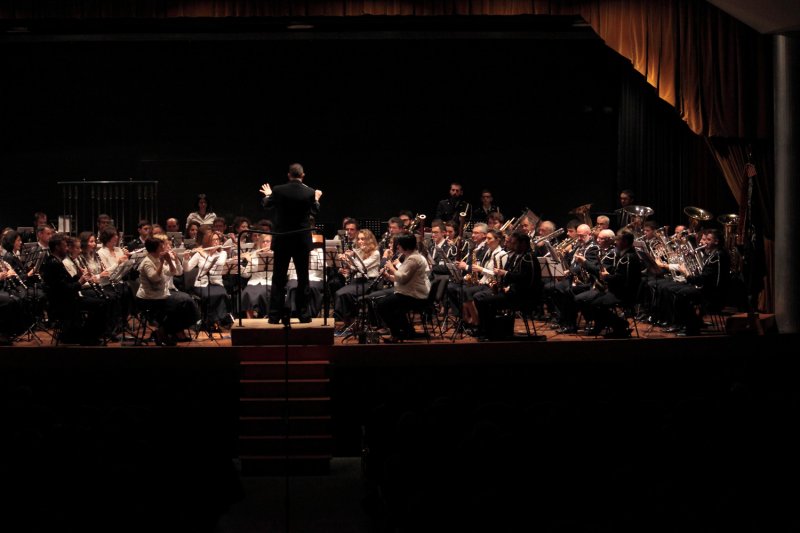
[{"x": 471, "y": 278}]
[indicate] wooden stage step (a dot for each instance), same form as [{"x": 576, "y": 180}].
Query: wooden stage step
[
  {"x": 278, "y": 445},
  {"x": 278, "y": 369},
  {"x": 258, "y": 332},
  {"x": 277, "y": 465},
  {"x": 275, "y": 425},
  {"x": 309, "y": 406},
  {"x": 271, "y": 388}
]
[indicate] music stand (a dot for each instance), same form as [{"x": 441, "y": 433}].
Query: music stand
[
  {"x": 176, "y": 238},
  {"x": 360, "y": 326},
  {"x": 551, "y": 268},
  {"x": 333, "y": 248}
]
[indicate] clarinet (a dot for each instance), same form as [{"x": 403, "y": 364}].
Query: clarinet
[
  {"x": 15, "y": 281},
  {"x": 98, "y": 290}
]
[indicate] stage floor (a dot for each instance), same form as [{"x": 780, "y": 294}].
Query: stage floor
[{"x": 646, "y": 331}]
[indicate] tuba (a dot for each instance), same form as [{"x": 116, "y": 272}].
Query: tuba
[
  {"x": 730, "y": 224},
  {"x": 636, "y": 215},
  {"x": 582, "y": 212},
  {"x": 696, "y": 216}
]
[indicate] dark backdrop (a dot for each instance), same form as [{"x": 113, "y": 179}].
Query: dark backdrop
[{"x": 380, "y": 125}]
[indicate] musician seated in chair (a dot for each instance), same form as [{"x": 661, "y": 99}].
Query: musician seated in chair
[
  {"x": 411, "y": 288},
  {"x": 623, "y": 283},
  {"x": 66, "y": 299},
  {"x": 441, "y": 253},
  {"x": 364, "y": 258},
  {"x": 707, "y": 287},
  {"x": 210, "y": 260},
  {"x": 172, "y": 311},
  {"x": 520, "y": 284}
]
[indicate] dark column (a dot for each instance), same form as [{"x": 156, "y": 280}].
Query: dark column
[{"x": 787, "y": 176}]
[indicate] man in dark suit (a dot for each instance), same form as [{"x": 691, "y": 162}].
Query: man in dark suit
[{"x": 294, "y": 203}]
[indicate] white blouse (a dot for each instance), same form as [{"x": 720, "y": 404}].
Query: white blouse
[
  {"x": 411, "y": 278},
  {"x": 210, "y": 267},
  {"x": 256, "y": 268},
  {"x": 194, "y": 216},
  {"x": 152, "y": 283},
  {"x": 111, "y": 259}
]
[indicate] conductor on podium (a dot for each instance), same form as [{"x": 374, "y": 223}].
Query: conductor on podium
[{"x": 294, "y": 203}]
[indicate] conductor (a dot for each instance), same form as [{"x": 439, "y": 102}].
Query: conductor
[{"x": 293, "y": 203}]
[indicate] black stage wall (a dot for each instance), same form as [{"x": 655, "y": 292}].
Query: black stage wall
[{"x": 380, "y": 124}]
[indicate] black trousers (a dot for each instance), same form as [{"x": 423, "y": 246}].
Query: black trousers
[
  {"x": 394, "y": 309},
  {"x": 296, "y": 251},
  {"x": 491, "y": 325}
]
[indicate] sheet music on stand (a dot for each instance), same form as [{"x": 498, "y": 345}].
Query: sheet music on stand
[
  {"x": 264, "y": 262},
  {"x": 217, "y": 267},
  {"x": 30, "y": 253},
  {"x": 551, "y": 268},
  {"x": 316, "y": 261},
  {"x": 122, "y": 269},
  {"x": 455, "y": 273},
  {"x": 333, "y": 248}
]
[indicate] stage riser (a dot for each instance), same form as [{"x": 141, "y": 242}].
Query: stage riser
[
  {"x": 277, "y": 388},
  {"x": 256, "y": 332},
  {"x": 273, "y": 370},
  {"x": 278, "y": 445},
  {"x": 273, "y": 426}
]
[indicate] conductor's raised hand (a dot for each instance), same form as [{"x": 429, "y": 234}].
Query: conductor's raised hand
[
  {"x": 317, "y": 194},
  {"x": 266, "y": 190}
]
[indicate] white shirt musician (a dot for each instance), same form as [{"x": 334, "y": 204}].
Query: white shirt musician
[{"x": 411, "y": 288}]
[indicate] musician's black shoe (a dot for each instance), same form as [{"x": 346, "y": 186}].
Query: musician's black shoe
[
  {"x": 304, "y": 319},
  {"x": 274, "y": 320}
]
